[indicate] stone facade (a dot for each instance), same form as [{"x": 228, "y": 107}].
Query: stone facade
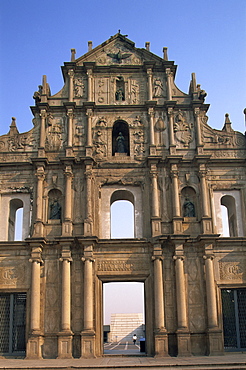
[{"x": 120, "y": 129}]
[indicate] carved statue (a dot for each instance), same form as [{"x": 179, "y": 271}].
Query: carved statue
[
  {"x": 55, "y": 210},
  {"x": 37, "y": 94},
  {"x": 120, "y": 144},
  {"x": 201, "y": 93},
  {"x": 158, "y": 88},
  {"x": 189, "y": 208},
  {"x": 119, "y": 95}
]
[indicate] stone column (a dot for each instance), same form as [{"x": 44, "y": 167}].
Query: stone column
[
  {"x": 90, "y": 79},
  {"x": 88, "y": 333},
  {"x": 204, "y": 193},
  {"x": 43, "y": 115},
  {"x": 35, "y": 340},
  {"x": 169, "y": 74},
  {"x": 183, "y": 335},
  {"x": 38, "y": 226},
  {"x": 175, "y": 187},
  {"x": 88, "y": 222},
  {"x": 67, "y": 224},
  {"x": 150, "y": 83},
  {"x": 89, "y": 114},
  {"x": 71, "y": 76},
  {"x": 65, "y": 336},
  {"x": 155, "y": 200},
  {"x": 161, "y": 340},
  {"x": 70, "y": 128},
  {"x": 177, "y": 219},
  {"x": 151, "y": 113},
  {"x": 171, "y": 131},
  {"x": 198, "y": 127},
  {"x": 211, "y": 295}
]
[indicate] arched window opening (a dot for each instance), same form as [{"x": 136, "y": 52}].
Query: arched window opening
[
  {"x": 122, "y": 215},
  {"x": 120, "y": 89},
  {"x": 120, "y": 138},
  {"x": 55, "y": 208},
  {"x": 229, "y": 202},
  {"x": 225, "y": 224},
  {"x": 14, "y": 205},
  {"x": 188, "y": 201}
]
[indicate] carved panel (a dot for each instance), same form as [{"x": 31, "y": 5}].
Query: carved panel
[
  {"x": 129, "y": 265},
  {"x": 13, "y": 276},
  {"x": 232, "y": 270}
]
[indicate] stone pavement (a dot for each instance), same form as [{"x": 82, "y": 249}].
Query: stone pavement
[{"x": 228, "y": 361}]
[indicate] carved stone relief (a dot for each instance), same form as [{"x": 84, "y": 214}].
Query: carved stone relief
[
  {"x": 182, "y": 129},
  {"x": 100, "y": 147},
  {"x": 79, "y": 132},
  {"x": 79, "y": 87},
  {"x": 54, "y": 133},
  {"x": 139, "y": 149},
  {"x": 232, "y": 270},
  {"x": 122, "y": 265}
]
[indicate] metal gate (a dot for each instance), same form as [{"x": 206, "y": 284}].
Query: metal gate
[
  {"x": 234, "y": 318},
  {"x": 12, "y": 323}
]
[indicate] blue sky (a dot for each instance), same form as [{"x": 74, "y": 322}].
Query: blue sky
[{"x": 205, "y": 37}]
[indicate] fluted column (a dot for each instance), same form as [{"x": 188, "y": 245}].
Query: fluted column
[
  {"x": 210, "y": 290},
  {"x": 198, "y": 126},
  {"x": 169, "y": 74},
  {"x": 71, "y": 77},
  {"x": 43, "y": 115},
  {"x": 70, "y": 128},
  {"x": 175, "y": 181},
  {"x": 150, "y": 83}
]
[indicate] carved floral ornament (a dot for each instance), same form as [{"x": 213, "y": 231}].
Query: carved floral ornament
[{"x": 182, "y": 129}]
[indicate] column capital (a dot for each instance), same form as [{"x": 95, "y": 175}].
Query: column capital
[
  {"x": 208, "y": 257},
  {"x": 169, "y": 73},
  {"x": 68, "y": 259},
  {"x": 36, "y": 255},
  {"x": 156, "y": 258},
  {"x": 71, "y": 73},
  {"x": 68, "y": 172},
  {"x": 70, "y": 112},
  {"x": 151, "y": 111},
  {"x": 170, "y": 111},
  {"x": 89, "y": 112},
  {"x": 43, "y": 113},
  {"x": 176, "y": 257},
  {"x": 149, "y": 71},
  {"x": 87, "y": 258},
  {"x": 197, "y": 111}
]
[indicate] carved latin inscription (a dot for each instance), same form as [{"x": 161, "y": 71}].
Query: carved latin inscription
[{"x": 121, "y": 265}]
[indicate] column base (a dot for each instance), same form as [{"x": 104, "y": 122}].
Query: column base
[
  {"x": 88, "y": 151},
  {"x": 69, "y": 152},
  {"x": 184, "y": 343},
  {"x": 152, "y": 150},
  {"x": 65, "y": 344},
  {"x": 215, "y": 342},
  {"x": 88, "y": 344},
  {"x": 34, "y": 347},
  {"x": 161, "y": 344}
]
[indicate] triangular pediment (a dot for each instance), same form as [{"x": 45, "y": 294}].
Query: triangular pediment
[{"x": 118, "y": 51}]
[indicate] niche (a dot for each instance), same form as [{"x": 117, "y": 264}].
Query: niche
[
  {"x": 188, "y": 199},
  {"x": 120, "y": 89},
  {"x": 120, "y": 138},
  {"x": 54, "y": 205}
]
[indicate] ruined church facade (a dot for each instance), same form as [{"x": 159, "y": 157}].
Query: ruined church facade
[{"x": 120, "y": 129}]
